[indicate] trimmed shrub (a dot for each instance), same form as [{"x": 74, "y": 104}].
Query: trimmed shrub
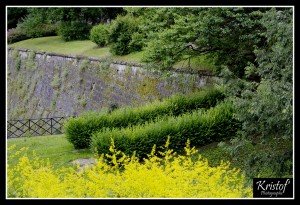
[
  {"x": 120, "y": 35},
  {"x": 79, "y": 130},
  {"x": 99, "y": 34},
  {"x": 171, "y": 176},
  {"x": 74, "y": 30},
  {"x": 201, "y": 127}
]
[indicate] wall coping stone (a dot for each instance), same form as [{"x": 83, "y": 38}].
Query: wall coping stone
[{"x": 142, "y": 65}]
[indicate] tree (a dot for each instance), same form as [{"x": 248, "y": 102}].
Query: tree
[
  {"x": 228, "y": 35},
  {"x": 166, "y": 33},
  {"x": 71, "y": 22},
  {"x": 15, "y": 15},
  {"x": 37, "y": 23},
  {"x": 265, "y": 107},
  {"x": 76, "y": 22},
  {"x": 91, "y": 15}
]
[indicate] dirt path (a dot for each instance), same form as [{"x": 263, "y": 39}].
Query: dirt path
[{"x": 84, "y": 163}]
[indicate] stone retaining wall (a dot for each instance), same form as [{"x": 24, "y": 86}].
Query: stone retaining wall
[{"x": 41, "y": 84}]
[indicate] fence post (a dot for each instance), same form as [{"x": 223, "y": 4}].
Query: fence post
[
  {"x": 61, "y": 127},
  {"x": 51, "y": 125},
  {"x": 29, "y": 126}
]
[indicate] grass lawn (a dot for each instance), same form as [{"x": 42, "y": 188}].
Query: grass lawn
[
  {"x": 60, "y": 152},
  {"x": 196, "y": 63},
  {"x": 56, "y": 147},
  {"x": 55, "y": 44}
]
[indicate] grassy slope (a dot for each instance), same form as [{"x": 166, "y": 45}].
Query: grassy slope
[
  {"x": 54, "y": 44},
  {"x": 56, "y": 147}
]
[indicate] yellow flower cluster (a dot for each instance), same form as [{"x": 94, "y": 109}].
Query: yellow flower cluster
[{"x": 120, "y": 176}]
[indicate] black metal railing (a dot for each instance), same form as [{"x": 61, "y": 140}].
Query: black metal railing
[{"x": 35, "y": 127}]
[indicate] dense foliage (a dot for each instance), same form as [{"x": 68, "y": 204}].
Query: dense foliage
[
  {"x": 73, "y": 23},
  {"x": 227, "y": 34},
  {"x": 91, "y": 15},
  {"x": 37, "y": 24},
  {"x": 74, "y": 30},
  {"x": 266, "y": 107},
  {"x": 30, "y": 23},
  {"x": 169, "y": 176},
  {"x": 79, "y": 130},
  {"x": 76, "y": 23},
  {"x": 15, "y": 15}
]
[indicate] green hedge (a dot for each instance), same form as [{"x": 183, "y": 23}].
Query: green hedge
[
  {"x": 201, "y": 127},
  {"x": 79, "y": 130}
]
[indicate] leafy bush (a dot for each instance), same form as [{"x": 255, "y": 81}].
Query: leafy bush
[
  {"x": 171, "y": 176},
  {"x": 99, "y": 34},
  {"x": 79, "y": 130},
  {"x": 74, "y": 30},
  {"x": 35, "y": 25},
  {"x": 120, "y": 35},
  {"x": 201, "y": 127},
  {"x": 15, "y": 35},
  {"x": 137, "y": 41}
]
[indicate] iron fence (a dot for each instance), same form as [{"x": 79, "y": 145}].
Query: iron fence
[{"x": 35, "y": 127}]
